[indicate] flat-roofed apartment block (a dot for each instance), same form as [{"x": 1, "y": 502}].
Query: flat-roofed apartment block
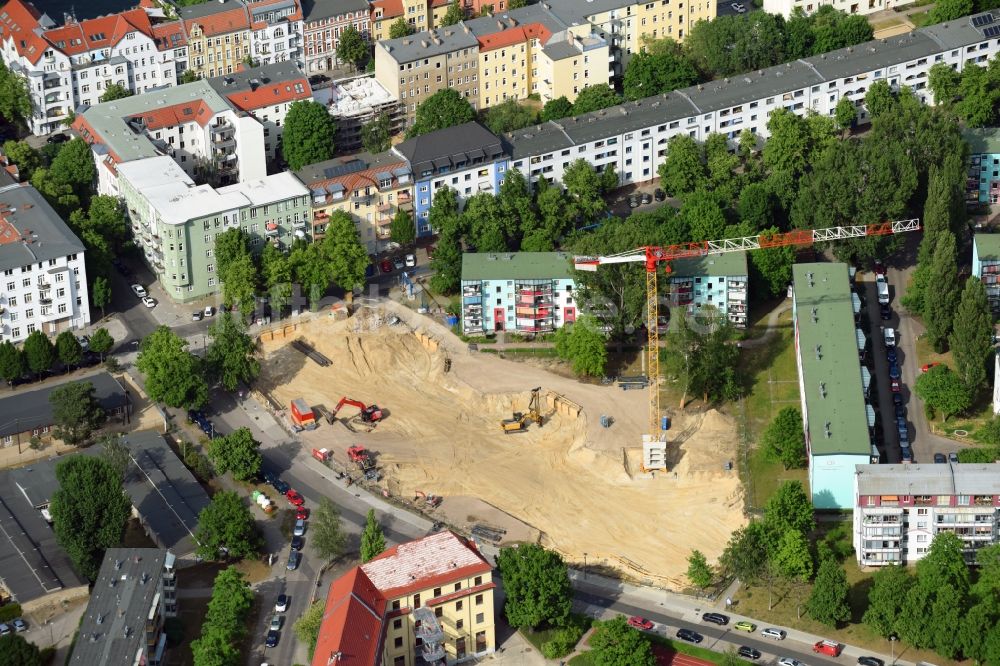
[
  {"x": 419, "y": 14},
  {"x": 986, "y": 266},
  {"x": 218, "y": 35},
  {"x": 369, "y": 188},
  {"x": 324, "y": 21},
  {"x": 719, "y": 280},
  {"x": 830, "y": 384},
  {"x": 983, "y": 181},
  {"x": 43, "y": 275},
  {"x": 266, "y": 93},
  {"x": 899, "y": 509},
  {"x": 176, "y": 221},
  {"x": 786, "y": 7},
  {"x": 427, "y": 601},
  {"x": 135, "y": 591},
  {"x": 191, "y": 123},
  {"x": 356, "y": 102},
  {"x": 520, "y": 292}
]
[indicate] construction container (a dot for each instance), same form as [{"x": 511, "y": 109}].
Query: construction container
[
  {"x": 321, "y": 455},
  {"x": 302, "y": 414},
  {"x": 664, "y": 423}
]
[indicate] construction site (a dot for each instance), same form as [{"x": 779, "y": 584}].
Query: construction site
[{"x": 506, "y": 451}]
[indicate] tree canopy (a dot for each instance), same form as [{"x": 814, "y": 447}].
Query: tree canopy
[
  {"x": 783, "y": 439},
  {"x": 400, "y": 28},
  {"x": 173, "y": 374},
  {"x": 372, "y": 538},
  {"x": 828, "y": 601},
  {"x": 584, "y": 345},
  {"x": 16, "y": 651},
  {"x": 39, "y": 352},
  {"x": 650, "y": 73},
  {"x": 238, "y": 453},
  {"x": 326, "y": 531},
  {"x": 445, "y": 108},
  {"x": 13, "y": 364},
  {"x": 115, "y": 91},
  {"x": 15, "y": 102},
  {"x": 595, "y": 97},
  {"x": 508, "y": 116},
  {"x": 225, "y": 623},
  {"x": 537, "y": 585},
  {"x": 615, "y": 643},
  {"x": 352, "y": 47},
  {"x": 971, "y": 339},
  {"x": 226, "y": 528},
  {"x": 308, "y": 134},
  {"x": 76, "y": 412},
  {"x": 231, "y": 356},
  {"x": 943, "y": 391}
]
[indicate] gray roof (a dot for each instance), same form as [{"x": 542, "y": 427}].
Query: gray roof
[
  {"x": 209, "y": 8},
  {"x": 36, "y": 232},
  {"x": 113, "y": 628},
  {"x": 33, "y": 564},
  {"x": 577, "y": 11},
  {"x": 560, "y": 50},
  {"x": 932, "y": 479},
  {"x": 315, "y": 10},
  {"x": 341, "y": 166},
  {"x": 430, "y": 44},
  {"x": 241, "y": 81},
  {"x": 31, "y": 409},
  {"x": 461, "y": 143},
  {"x": 729, "y": 264}
]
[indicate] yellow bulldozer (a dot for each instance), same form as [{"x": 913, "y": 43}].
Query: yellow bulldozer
[{"x": 520, "y": 420}]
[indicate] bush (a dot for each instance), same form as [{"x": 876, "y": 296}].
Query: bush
[
  {"x": 562, "y": 642},
  {"x": 10, "y": 611}
]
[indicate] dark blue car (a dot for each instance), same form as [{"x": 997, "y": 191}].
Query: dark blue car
[{"x": 894, "y": 371}]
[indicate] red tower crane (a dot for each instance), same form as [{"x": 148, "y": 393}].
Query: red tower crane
[{"x": 653, "y": 257}]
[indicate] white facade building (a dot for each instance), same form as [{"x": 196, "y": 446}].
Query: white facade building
[
  {"x": 43, "y": 278},
  {"x": 862, "y": 7},
  {"x": 277, "y": 31}
]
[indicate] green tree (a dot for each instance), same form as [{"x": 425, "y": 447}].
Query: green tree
[
  {"x": 101, "y": 342},
  {"x": 944, "y": 391},
  {"x": 76, "y": 411},
  {"x": 400, "y": 28},
  {"x": 557, "y": 108},
  {"x": 447, "y": 263},
  {"x": 783, "y": 439},
  {"x": 116, "y": 453},
  {"x": 238, "y": 453},
  {"x": 941, "y": 302},
  {"x": 949, "y": 10},
  {"x": 878, "y": 99},
  {"x": 683, "y": 171},
  {"x": 13, "y": 364},
  {"x": 372, "y": 538},
  {"x": 537, "y": 585},
  {"x": 327, "y": 530},
  {"x": 39, "y": 352},
  {"x": 886, "y": 599},
  {"x": 846, "y": 114},
  {"x": 100, "y": 293},
  {"x": 230, "y": 246},
  {"x": 74, "y": 167},
  {"x": 828, "y": 601},
  {"x": 308, "y": 134},
  {"x": 308, "y": 625},
  {"x": 944, "y": 82},
  {"x": 703, "y": 356},
  {"x": 584, "y": 345},
  {"x": 187, "y": 76},
  {"x": 585, "y": 187},
  {"x": 309, "y": 267},
  {"x": 352, "y": 47},
  {"x": 789, "y": 508},
  {"x": 508, "y": 116},
  {"x": 445, "y": 108},
  {"x": 595, "y": 97},
  {"x": 454, "y": 14},
  {"x": 376, "y": 136},
  {"x": 979, "y": 96},
  {"x": 174, "y": 375},
  {"x": 115, "y": 91},
  {"x": 402, "y": 228},
  {"x": 226, "y": 529},
  {"x": 699, "y": 572},
  {"x": 225, "y": 622},
  {"x": 24, "y": 156},
  {"x": 231, "y": 355},
  {"x": 15, "y": 102},
  {"x": 792, "y": 557},
  {"x": 971, "y": 339},
  {"x": 771, "y": 269},
  {"x": 89, "y": 511},
  {"x": 68, "y": 349},
  {"x": 649, "y": 73},
  {"x": 745, "y": 555},
  {"x": 614, "y": 643},
  {"x": 16, "y": 651},
  {"x": 347, "y": 259}
]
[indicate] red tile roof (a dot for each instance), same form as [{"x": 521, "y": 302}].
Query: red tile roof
[
  {"x": 270, "y": 94},
  {"x": 178, "y": 114},
  {"x": 440, "y": 3},
  {"x": 221, "y": 23},
  {"x": 99, "y": 33},
  {"x": 390, "y": 8},
  {"x": 19, "y": 21},
  {"x": 425, "y": 563},
  {"x": 352, "y": 623},
  {"x": 164, "y": 32},
  {"x": 516, "y": 35}
]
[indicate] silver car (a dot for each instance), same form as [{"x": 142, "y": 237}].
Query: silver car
[{"x": 771, "y": 632}]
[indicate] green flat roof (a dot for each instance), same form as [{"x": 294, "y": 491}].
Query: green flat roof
[
  {"x": 729, "y": 263},
  {"x": 987, "y": 246},
  {"x": 516, "y": 266},
  {"x": 825, "y": 319},
  {"x": 982, "y": 141}
]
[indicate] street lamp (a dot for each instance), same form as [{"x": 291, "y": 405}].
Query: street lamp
[
  {"x": 585, "y": 566},
  {"x": 892, "y": 643}
]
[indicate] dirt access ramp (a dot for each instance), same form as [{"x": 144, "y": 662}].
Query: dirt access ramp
[{"x": 567, "y": 479}]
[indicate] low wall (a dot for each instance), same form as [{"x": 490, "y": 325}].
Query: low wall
[
  {"x": 428, "y": 343},
  {"x": 560, "y": 404},
  {"x": 277, "y": 333}
]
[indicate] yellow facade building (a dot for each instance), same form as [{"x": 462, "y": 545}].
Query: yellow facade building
[{"x": 218, "y": 37}]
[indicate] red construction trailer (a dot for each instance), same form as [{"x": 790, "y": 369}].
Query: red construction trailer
[{"x": 302, "y": 415}]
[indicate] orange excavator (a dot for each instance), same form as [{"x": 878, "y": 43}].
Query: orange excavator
[{"x": 369, "y": 413}]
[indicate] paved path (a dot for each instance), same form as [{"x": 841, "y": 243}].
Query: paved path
[{"x": 772, "y": 327}]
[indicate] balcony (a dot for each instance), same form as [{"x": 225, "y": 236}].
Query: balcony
[
  {"x": 222, "y": 141},
  {"x": 299, "y": 223},
  {"x": 383, "y": 233},
  {"x": 221, "y": 129},
  {"x": 271, "y": 229},
  {"x": 385, "y": 207}
]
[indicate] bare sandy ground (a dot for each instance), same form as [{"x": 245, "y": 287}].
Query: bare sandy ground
[{"x": 573, "y": 483}]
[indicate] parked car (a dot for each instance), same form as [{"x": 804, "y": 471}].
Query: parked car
[
  {"x": 280, "y": 486},
  {"x": 275, "y": 623},
  {"x": 743, "y": 625},
  {"x": 870, "y": 661},
  {"x": 771, "y": 632},
  {"x": 386, "y": 266},
  {"x": 832, "y": 648},
  {"x": 4, "y": 629},
  {"x": 878, "y": 267},
  {"x": 297, "y": 543},
  {"x": 281, "y": 604},
  {"x": 196, "y": 316},
  {"x": 884, "y": 311},
  {"x": 301, "y": 513},
  {"x": 318, "y": 78},
  {"x": 894, "y": 372},
  {"x": 906, "y": 453},
  {"x": 716, "y": 618},
  {"x": 149, "y": 302},
  {"x": 928, "y": 366},
  {"x": 294, "y": 557},
  {"x": 953, "y": 457},
  {"x": 646, "y": 198},
  {"x": 139, "y": 290},
  {"x": 788, "y": 661},
  {"x": 411, "y": 260},
  {"x": 897, "y": 399},
  {"x": 889, "y": 336},
  {"x": 900, "y": 411},
  {"x": 58, "y": 138},
  {"x": 890, "y": 355},
  {"x": 940, "y": 458},
  {"x": 209, "y": 311},
  {"x": 895, "y": 386},
  {"x": 398, "y": 263},
  {"x": 272, "y": 639},
  {"x": 748, "y": 652},
  {"x": 295, "y": 498},
  {"x": 659, "y": 194},
  {"x": 689, "y": 636},
  {"x": 300, "y": 528},
  {"x": 738, "y": 7},
  {"x": 633, "y": 201},
  {"x": 640, "y": 623},
  {"x": 20, "y": 625}
]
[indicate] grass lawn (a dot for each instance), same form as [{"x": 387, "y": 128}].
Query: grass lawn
[
  {"x": 918, "y": 19},
  {"x": 582, "y": 659},
  {"x": 688, "y": 649},
  {"x": 537, "y": 638}
]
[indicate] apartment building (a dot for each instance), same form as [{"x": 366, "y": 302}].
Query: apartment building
[
  {"x": 719, "y": 280},
  {"x": 986, "y": 265},
  {"x": 419, "y": 14},
  {"x": 218, "y": 35},
  {"x": 191, "y": 123},
  {"x": 277, "y": 31},
  {"x": 355, "y": 103},
  {"x": 135, "y": 591},
  {"x": 265, "y": 93},
  {"x": 862, "y": 7},
  {"x": 176, "y": 221},
  {"x": 899, "y": 509},
  {"x": 420, "y": 602},
  {"x": 369, "y": 188},
  {"x": 468, "y": 158},
  {"x": 324, "y": 21},
  {"x": 43, "y": 276},
  {"x": 73, "y": 64},
  {"x": 520, "y": 292},
  {"x": 983, "y": 181},
  {"x": 830, "y": 384}
]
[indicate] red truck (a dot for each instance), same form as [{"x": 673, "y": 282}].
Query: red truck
[{"x": 831, "y": 648}]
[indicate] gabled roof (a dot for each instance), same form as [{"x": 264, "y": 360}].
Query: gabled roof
[
  {"x": 351, "y": 172},
  {"x": 169, "y": 35},
  {"x": 352, "y": 623},
  {"x": 424, "y": 563},
  {"x": 215, "y": 19},
  {"x": 469, "y": 143},
  {"x": 19, "y": 21},
  {"x": 251, "y": 89},
  {"x": 390, "y": 8},
  {"x": 316, "y": 10},
  {"x": 515, "y": 35},
  {"x": 260, "y": 8},
  {"x": 99, "y": 33}
]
